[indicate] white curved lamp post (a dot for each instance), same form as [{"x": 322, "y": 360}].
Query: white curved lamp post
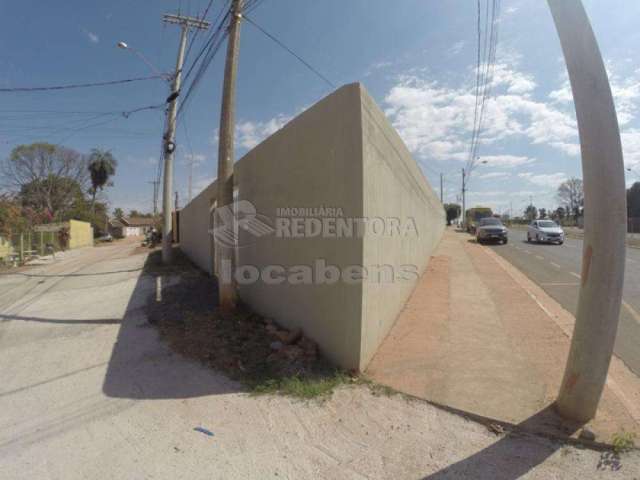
[{"x": 605, "y": 214}]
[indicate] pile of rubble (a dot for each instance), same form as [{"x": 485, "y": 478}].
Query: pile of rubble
[
  {"x": 290, "y": 344},
  {"x": 245, "y": 346}
]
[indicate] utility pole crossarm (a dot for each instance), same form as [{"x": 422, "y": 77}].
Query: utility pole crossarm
[{"x": 188, "y": 22}]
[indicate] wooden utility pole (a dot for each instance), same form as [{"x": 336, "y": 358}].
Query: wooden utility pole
[
  {"x": 169, "y": 136},
  {"x": 155, "y": 196},
  {"x": 224, "y": 254},
  {"x": 464, "y": 190}
]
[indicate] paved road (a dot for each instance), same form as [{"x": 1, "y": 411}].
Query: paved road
[{"x": 556, "y": 268}]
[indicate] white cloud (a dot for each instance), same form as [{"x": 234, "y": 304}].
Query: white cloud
[
  {"x": 550, "y": 180},
  {"x": 196, "y": 158},
  {"x": 250, "y": 133},
  {"x": 436, "y": 121},
  {"x": 512, "y": 80},
  {"x": 506, "y": 160},
  {"x": 455, "y": 49},
  {"x": 631, "y": 147},
  {"x": 93, "y": 37},
  {"x": 377, "y": 66},
  {"x": 494, "y": 175}
]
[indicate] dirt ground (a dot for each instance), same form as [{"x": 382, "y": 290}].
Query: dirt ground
[{"x": 88, "y": 390}]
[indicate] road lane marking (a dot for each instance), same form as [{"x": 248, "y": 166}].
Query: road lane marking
[
  {"x": 632, "y": 311},
  {"x": 527, "y": 252},
  {"x": 539, "y": 257},
  {"x": 574, "y": 274},
  {"x": 554, "y": 264},
  {"x": 559, "y": 284},
  {"x": 158, "y": 288}
]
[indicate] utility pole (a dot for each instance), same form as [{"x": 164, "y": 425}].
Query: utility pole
[
  {"x": 169, "y": 136},
  {"x": 605, "y": 219},
  {"x": 190, "y": 193},
  {"x": 224, "y": 255},
  {"x": 464, "y": 189},
  {"x": 441, "y": 191},
  {"x": 155, "y": 196}
]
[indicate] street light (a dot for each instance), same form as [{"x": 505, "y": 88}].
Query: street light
[
  {"x": 465, "y": 176},
  {"x": 164, "y": 75}
]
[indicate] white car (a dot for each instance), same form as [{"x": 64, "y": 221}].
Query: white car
[{"x": 545, "y": 231}]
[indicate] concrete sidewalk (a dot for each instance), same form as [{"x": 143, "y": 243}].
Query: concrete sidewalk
[{"x": 479, "y": 337}]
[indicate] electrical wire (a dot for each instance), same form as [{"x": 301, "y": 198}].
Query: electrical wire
[
  {"x": 484, "y": 74},
  {"x": 78, "y": 85},
  {"x": 304, "y": 62}
]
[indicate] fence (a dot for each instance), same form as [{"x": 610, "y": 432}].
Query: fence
[{"x": 22, "y": 246}]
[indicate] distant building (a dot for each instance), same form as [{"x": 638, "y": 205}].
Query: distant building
[{"x": 130, "y": 226}]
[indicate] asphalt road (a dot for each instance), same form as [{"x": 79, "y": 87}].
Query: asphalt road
[{"x": 556, "y": 268}]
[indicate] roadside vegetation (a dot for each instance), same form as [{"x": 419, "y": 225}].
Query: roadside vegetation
[{"x": 246, "y": 347}]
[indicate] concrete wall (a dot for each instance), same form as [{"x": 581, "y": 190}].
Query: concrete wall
[
  {"x": 195, "y": 240},
  {"x": 341, "y": 153},
  {"x": 80, "y": 234},
  {"x": 394, "y": 187},
  {"x": 314, "y": 161},
  {"x": 5, "y": 247}
]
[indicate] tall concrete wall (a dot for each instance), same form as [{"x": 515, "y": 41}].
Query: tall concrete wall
[
  {"x": 314, "y": 161},
  {"x": 394, "y": 188},
  {"x": 343, "y": 155},
  {"x": 195, "y": 240}
]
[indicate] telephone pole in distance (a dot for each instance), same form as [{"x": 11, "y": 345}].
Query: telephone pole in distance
[{"x": 169, "y": 136}]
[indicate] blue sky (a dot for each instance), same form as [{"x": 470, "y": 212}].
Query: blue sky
[{"x": 416, "y": 57}]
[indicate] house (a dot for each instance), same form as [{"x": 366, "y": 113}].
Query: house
[{"x": 130, "y": 226}]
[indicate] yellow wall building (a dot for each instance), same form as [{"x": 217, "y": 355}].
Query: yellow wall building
[{"x": 80, "y": 234}]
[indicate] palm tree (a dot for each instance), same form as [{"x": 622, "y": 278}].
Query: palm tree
[{"x": 102, "y": 166}]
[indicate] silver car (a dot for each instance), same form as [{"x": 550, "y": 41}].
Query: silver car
[
  {"x": 491, "y": 228},
  {"x": 545, "y": 231}
]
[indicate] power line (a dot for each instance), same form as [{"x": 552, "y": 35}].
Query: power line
[
  {"x": 78, "y": 85},
  {"x": 195, "y": 34},
  {"x": 305, "y": 63},
  {"x": 484, "y": 74},
  {"x": 207, "y": 54}
]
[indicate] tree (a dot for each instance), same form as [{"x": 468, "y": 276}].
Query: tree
[
  {"x": 542, "y": 213},
  {"x": 102, "y": 166},
  {"x": 53, "y": 195},
  {"x": 560, "y": 213},
  {"x": 136, "y": 213},
  {"x": 531, "y": 213},
  {"x": 571, "y": 195},
  {"x": 15, "y": 218},
  {"x": 633, "y": 200},
  {"x": 453, "y": 211},
  {"x": 118, "y": 213},
  {"x": 46, "y": 176}
]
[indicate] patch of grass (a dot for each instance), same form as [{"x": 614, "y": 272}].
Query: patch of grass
[
  {"x": 623, "y": 442},
  {"x": 303, "y": 387},
  {"x": 377, "y": 389}
]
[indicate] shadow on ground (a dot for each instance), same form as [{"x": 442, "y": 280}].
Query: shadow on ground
[
  {"x": 515, "y": 454},
  {"x": 144, "y": 367}
]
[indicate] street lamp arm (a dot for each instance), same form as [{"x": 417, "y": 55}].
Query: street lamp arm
[{"x": 166, "y": 76}]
